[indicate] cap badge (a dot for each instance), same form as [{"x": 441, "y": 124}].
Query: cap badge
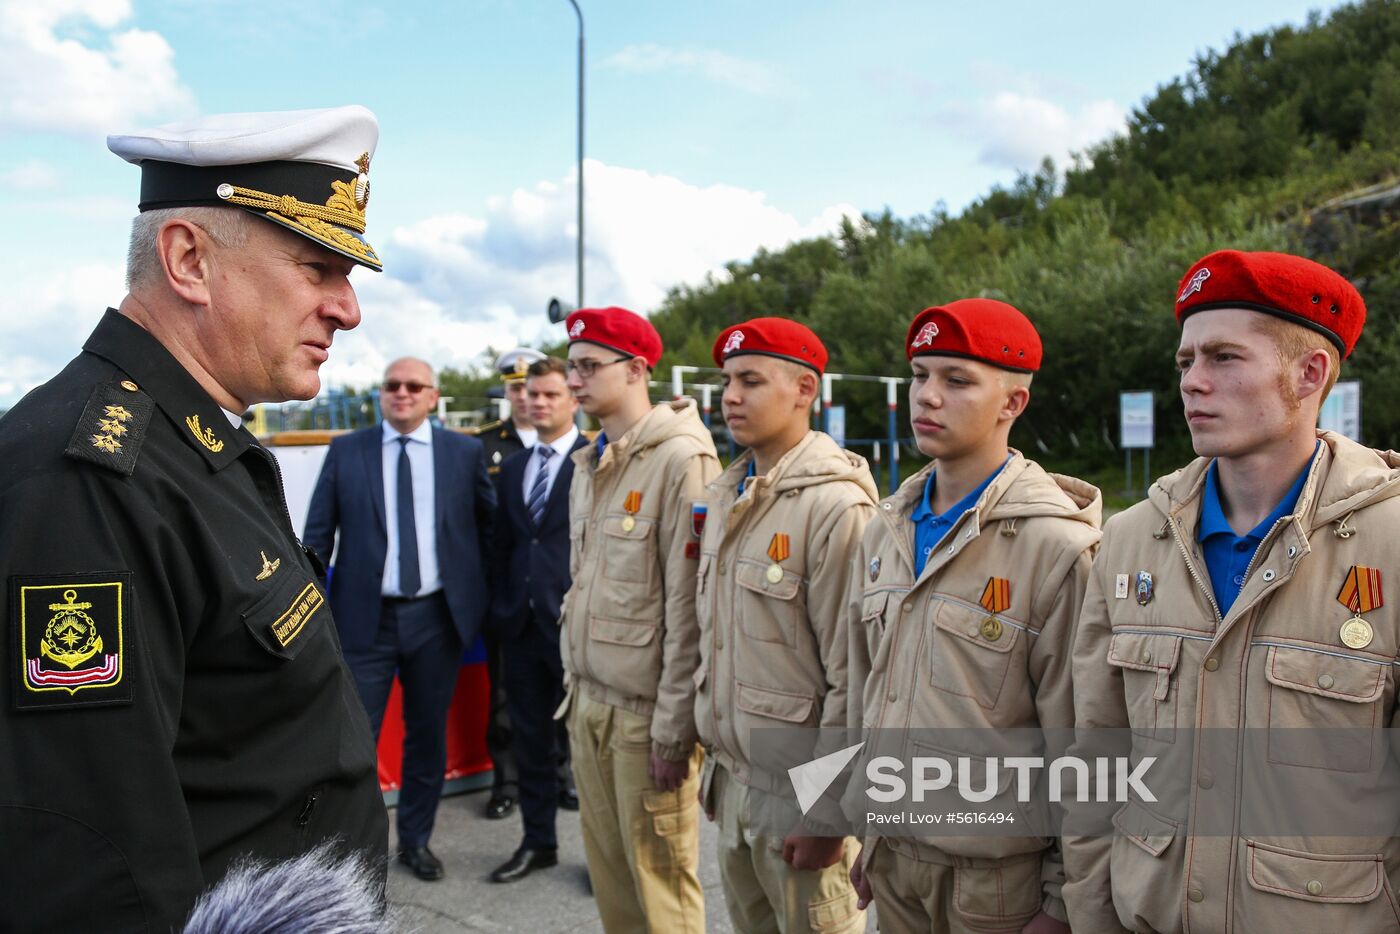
[
  {"x": 778, "y": 549},
  {"x": 1194, "y": 286},
  {"x": 631, "y": 505},
  {"x": 362, "y": 181},
  {"x": 1144, "y": 588},
  {"x": 926, "y": 335},
  {"x": 735, "y": 340},
  {"x": 1360, "y": 593},
  {"x": 576, "y": 330}
]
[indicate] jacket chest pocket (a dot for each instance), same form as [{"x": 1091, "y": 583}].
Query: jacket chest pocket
[
  {"x": 767, "y": 608},
  {"x": 1149, "y": 662},
  {"x": 629, "y": 549},
  {"x": 970, "y": 652},
  {"x": 283, "y": 620},
  {"x": 1298, "y": 891},
  {"x": 1323, "y": 709}
]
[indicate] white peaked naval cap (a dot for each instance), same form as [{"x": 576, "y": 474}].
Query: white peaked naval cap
[{"x": 305, "y": 170}]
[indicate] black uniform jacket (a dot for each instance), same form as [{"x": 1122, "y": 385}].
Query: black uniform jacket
[
  {"x": 501, "y": 440},
  {"x": 173, "y": 689}
]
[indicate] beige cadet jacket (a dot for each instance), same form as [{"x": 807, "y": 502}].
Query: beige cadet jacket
[
  {"x": 773, "y": 652},
  {"x": 630, "y": 637},
  {"x": 1276, "y": 661},
  {"x": 925, "y": 655}
]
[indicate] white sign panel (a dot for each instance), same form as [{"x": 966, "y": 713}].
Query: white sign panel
[
  {"x": 1342, "y": 410},
  {"x": 836, "y": 424},
  {"x": 1135, "y": 419}
]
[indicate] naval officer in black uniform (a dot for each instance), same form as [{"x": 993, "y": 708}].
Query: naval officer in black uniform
[
  {"x": 502, "y": 438},
  {"x": 173, "y": 691}
]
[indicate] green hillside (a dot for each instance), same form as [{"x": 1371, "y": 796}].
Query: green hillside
[
  {"x": 1286, "y": 140},
  {"x": 1245, "y": 151}
]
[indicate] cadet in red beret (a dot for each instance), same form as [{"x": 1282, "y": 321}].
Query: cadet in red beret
[
  {"x": 1247, "y": 591},
  {"x": 972, "y": 576},
  {"x": 777, "y": 624},
  {"x": 629, "y": 632}
]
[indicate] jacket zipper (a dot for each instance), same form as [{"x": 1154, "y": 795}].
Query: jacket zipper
[{"x": 1191, "y": 567}]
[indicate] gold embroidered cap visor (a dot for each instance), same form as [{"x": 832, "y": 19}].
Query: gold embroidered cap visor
[{"x": 307, "y": 171}]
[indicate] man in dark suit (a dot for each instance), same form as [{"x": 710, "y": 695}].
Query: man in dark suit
[
  {"x": 413, "y": 505},
  {"x": 502, "y": 438},
  {"x": 530, "y": 562}
]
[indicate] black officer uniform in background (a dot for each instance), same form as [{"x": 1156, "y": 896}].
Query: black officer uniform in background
[
  {"x": 500, "y": 439},
  {"x": 176, "y": 690}
]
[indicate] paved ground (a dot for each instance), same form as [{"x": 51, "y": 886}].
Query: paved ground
[{"x": 546, "y": 902}]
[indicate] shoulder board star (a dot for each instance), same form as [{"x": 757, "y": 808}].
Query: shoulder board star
[{"x": 116, "y": 410}]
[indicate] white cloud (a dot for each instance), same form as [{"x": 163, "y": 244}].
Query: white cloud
[
  {"x": 32, "y": 175},
  {"x": 46, "y": 315},
  {"x": 56, "y": 82},
  {"x": 1017, "y": 129},
  {"x": 719, "y": 67},
  {"x": 457, "y": 284}
]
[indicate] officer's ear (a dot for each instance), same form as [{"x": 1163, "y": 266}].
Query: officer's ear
[{"x": 184, "y": 248}]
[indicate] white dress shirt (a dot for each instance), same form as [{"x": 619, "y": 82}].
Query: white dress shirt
[
  {"x": 528, "y": 436},
  {"x": 420, "y": 459},
  {"x": 561, "y": 446}
]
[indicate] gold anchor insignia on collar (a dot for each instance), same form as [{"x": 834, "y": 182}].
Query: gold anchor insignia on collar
[
  {"x": 204, "y": 436},
  {"x": 269, "y": 568}
]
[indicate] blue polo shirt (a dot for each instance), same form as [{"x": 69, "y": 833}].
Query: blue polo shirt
[
  {"x": 1228, "y": 555},
  {"x": 929, "y": 529}
]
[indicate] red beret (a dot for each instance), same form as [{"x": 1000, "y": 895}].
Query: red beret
[
  {"x": 772, "y": 337},
  {"x": 979, "y": 329},
  {"x": 616, "y": 329},
  {"x": 1279, "y": 284}
]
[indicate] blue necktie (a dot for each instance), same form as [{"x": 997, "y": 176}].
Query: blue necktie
[
  {"x": 540, "y": 489},
  {"x": 409, "y": 579}
]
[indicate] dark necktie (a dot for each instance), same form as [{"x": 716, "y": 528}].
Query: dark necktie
[
  {"x": 540, "y": 489},
  {"x": 409, "y": 579}
]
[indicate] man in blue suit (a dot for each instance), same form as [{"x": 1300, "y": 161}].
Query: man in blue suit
[
  {"x": 413, "y": 505},
  {"x": 530, "y": 563}
]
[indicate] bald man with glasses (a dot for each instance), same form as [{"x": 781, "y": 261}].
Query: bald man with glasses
[{"x": 413, "y": 505}]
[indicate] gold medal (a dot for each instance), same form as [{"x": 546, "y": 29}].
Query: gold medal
[
  {"x": 774, "y": 574},
  {"x": 991, "y": 629},
  {"x": 628, "y": 523},
  {"x": 1356, "y": 633}
]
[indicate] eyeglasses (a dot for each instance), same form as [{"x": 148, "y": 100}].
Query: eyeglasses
[
  {"x": 586, "y": 368},
  {"x": 414, "y": 388}
]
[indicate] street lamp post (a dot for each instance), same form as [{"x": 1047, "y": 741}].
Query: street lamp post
[{"x": 574, "y": 4}]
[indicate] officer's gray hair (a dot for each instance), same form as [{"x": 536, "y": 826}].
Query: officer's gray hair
[
  {"x": 227, "y": 227},
  {"x": 320, "y": 892}
]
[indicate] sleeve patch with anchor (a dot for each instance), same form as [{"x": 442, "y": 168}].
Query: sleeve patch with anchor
[{"x": 70, "y": 636}]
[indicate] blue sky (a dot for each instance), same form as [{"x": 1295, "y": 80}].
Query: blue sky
[{"x": 712, "y": 129}]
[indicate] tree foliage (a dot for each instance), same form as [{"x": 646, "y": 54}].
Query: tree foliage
[{"x": 1244, "y": 151}]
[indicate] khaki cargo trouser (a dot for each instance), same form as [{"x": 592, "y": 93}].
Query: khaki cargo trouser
[
  {"x": 978, "y": 896},
  {"x": 764, "y": 894},
  {"x": 642, "y": 845}
]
